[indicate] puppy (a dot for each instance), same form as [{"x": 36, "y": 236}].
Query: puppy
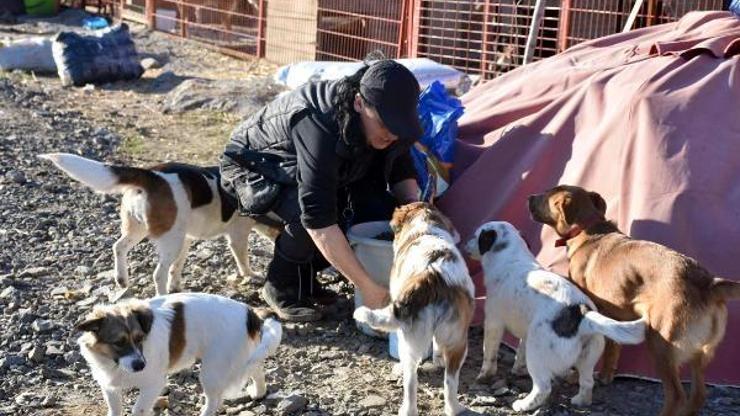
[
  {"x": 431, "y": 299},
  {"x": 135, "y": 343},
  {"x": 171, "y": 204},
  {"x": 683, "y": 303},
  {"x": 557, "y": 325}
]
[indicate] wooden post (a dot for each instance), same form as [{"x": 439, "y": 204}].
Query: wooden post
[{"x": 149, "y": 7}]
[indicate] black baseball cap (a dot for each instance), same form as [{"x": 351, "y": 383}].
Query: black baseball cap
[{"x": 392, "y": 90}]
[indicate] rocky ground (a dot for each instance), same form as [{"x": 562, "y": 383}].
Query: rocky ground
[{"x": 55, "y": 256}]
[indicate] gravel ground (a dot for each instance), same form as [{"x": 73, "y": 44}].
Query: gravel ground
[{"x": 55, "y": 262}]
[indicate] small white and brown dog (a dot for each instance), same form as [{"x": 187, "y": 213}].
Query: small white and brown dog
[
  {"x": 172, "y": 204},
  {"x": 134, "y": 344},
  {"x": 431, "y": 300},
  {"x": 557, "y": 325}
]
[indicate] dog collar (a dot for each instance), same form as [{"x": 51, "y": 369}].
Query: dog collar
[{"x": 577, "y": 229}]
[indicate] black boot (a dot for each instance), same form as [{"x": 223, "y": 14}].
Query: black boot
[
  {"x": 282, "y": 292},
  {"x": 310, "y": 285}
]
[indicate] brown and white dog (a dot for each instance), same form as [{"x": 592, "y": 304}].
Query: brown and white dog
[
  {"x": 172, "y": 204},
  {"x": 134, "y": 344},
  {"x": 431, "y": 299},
  {"x": 683, "y": 303}
]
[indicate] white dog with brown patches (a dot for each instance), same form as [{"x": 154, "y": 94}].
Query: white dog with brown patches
[
  {"x": 431, "y": 299},
  {"x": 134, "y": 344},
  {"x": 557, "y": 324},
  {"x": 171, "y": 204}
]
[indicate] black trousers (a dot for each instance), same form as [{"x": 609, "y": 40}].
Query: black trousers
[{"x": 365, "y": 200}]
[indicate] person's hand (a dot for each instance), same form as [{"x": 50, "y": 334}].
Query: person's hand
[{"x": 375, "y": 296}]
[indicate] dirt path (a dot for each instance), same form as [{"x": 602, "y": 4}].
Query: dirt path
[{"x": 56, "y": 239}]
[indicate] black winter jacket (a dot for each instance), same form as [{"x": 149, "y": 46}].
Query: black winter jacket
[{"x": 296, "y": 141}]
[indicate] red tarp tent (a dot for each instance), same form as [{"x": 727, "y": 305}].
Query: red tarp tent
[{"x": 650, "y": 119}]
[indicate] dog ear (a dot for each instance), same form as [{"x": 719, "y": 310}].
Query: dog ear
[
  {"x": 145, "y": 317},
  {"x": 400, "y": 215},
  {"x": 89, "y": 325},
  {"x": 486, "y": 239},
  {"x": 598, "y": 202}
]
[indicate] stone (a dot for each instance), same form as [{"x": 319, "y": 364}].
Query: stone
[
  {"x": 372, "y": 401},
  {"x": 35, "y": 272},
  {"x": 10, "y": 361},
  {"x": 291, "y": 404},
  {"x": 9, "y": 292},
  {"x": 36, "y": 354},
  {"x": 41, "y": 326}
]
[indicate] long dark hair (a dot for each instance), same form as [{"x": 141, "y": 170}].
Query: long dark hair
[{"x": 344, "y": 103}]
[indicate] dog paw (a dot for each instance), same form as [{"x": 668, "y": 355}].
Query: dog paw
[
  {"x": 362, "y": 314},
  {"x": 605, "y": 378},
  {"x": 581, "y": 400},
  {"x": 455, "y": 410},
  {"x": 522, "y": 405},
  {"x": 407, "y": 411},
  {"x": 256, "y": 392},
  {"x": 486, "y": 375}
]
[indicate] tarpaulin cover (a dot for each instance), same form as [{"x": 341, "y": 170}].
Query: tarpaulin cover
[{"x": 650, "y": 119}]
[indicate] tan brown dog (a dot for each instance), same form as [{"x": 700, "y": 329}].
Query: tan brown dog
[{"x": 683, "y": 303}]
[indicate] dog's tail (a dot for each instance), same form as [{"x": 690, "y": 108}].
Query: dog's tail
[
  {"x": 630, "y": 332},
  {"x": 271, "y": 335},
  {"x": 725, "y": 289},
  {"x": 99, "y": 176},
  {"x": 379, "y": 319}
]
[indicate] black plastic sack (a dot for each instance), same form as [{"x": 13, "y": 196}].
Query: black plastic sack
[{"x": 107, "y": 55}]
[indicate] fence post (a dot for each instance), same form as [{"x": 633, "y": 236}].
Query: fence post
[
  {"x": 414, "y": 23},
  {"x": 261, "y": 29},
  {"x": 484, "y": 40},
  {"x": 149, "y": 7},
  {"x": 564, "y": 25},
  {"x": 534, "y": 31},
  {"x": 402, "y": 31}
]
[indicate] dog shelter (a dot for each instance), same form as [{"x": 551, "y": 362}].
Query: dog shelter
[{"x": 648, "y": 118}]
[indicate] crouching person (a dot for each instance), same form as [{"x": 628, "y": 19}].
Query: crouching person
[{"x": 319, "y": 159}]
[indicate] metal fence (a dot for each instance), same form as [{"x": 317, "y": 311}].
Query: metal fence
[
  {"x": 481, "y": 37},
  {"x": 591, "y": 19},
  {"x": 349, "y": 30}
]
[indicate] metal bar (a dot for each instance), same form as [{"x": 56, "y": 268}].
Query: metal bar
[
  {"x": 484, "y": 39},
  {"x": 534, "y": 29},
  {"x": 364, "y": 16},
  {"x": 651, "y": 13},
  {"x": 415, "y": 29},
  {"x": 261, "y": 29},
  {"x": 633, "y": 15},
  {"x": 564, "y": 25},
  {"x": 402, "y": 29},
  {"x": 348, "y": 36}
]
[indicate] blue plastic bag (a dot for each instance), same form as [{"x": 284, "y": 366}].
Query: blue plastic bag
[
  {"x": 735, "y": 7},
  {"x": 434, "y": 153}
]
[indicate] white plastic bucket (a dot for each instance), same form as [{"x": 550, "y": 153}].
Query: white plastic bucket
[{"x": 375, "y": 255}]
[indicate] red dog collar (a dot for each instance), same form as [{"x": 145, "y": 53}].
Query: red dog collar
[{"x": 577, "y": 229}]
